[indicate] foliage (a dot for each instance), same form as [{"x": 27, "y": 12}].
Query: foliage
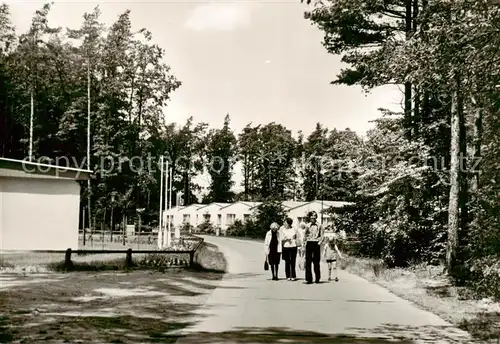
[
  {"x": 221, "y": 158},
  {"x": 186, "y": 227},
  {"x": 442, "y": 52},
  {"x": 237, "y": 229},
  {"x": 206, "y": 227},
  {"x": 266, "y": 213}
]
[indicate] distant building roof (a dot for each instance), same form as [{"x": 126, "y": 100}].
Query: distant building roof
[
  {"x": 285, "y": 204},
  {"x": 247, "y": 203},
  {"x": 326, "y": 204},
  {"x": 194, "y": 205},
  {"x": 220, "y": 205},
  {"x": 293, "y": 204},
  {"x": 26, "y": 169},
  {"x": 175, "y": 208}
]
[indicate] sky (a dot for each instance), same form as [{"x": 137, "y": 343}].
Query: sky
[{"x": 258, "y": 61}]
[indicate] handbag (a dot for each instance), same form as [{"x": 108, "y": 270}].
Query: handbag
[{"x": 266, "y": 265}]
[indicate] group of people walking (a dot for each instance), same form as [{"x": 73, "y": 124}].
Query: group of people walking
[{"x": 310, "y": 242}]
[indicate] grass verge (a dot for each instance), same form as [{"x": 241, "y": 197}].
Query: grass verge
[{"x": 430, "y": 289}]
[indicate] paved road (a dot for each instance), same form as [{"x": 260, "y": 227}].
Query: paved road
[{"x": 248, "y": 307}]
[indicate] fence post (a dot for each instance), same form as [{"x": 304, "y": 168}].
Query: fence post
[
  {"x": 129, "y": 257},
  {"x": 67, "y": 259}
]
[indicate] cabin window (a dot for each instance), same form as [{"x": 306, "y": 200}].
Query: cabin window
[
  {"x": 231, "y": 218},
  {"x": 246, "y": 217},
  {"x": 186, "y": 218}
]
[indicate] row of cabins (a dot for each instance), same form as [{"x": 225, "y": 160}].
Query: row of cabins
[{"x": 223, "y": 215}]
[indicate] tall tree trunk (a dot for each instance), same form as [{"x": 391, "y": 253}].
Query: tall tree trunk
[
  {"x": 478, "y": 134},
  {"x": 453, "y": 205},
  {"x": 464, "y": 174}
]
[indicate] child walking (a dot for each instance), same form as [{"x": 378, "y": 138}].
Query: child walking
[{"x": 332, "y": 254}]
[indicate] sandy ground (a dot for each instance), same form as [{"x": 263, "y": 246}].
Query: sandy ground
[{"x": 114, "y": 307}]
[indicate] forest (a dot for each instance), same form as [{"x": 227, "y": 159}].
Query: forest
[{"x": 425, "y": 182}]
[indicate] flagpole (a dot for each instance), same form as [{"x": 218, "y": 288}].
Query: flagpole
[
  {"x": 31, "y": 127},
  {"x": 32, "y": 110},
  {"x": 88, "y": 146},
  {"x": 170, "y": 208},
  {"x": 165, "y": 238},
  {"x": 160, "y": 236}
]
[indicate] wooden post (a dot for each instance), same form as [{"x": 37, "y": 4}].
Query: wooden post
[
  {"x": 67, "y": 259},
  {"x": 129, "y": 257}
]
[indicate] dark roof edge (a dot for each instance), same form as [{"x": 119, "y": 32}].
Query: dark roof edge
[{"x": 29, "y": 167}]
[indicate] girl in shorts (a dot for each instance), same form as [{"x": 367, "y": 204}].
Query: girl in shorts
[{"x": 332, "y": 255}]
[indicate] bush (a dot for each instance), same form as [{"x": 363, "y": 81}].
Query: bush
[
  {"x": 236, "y": 229},
  {"x": 206, "y": 228},
  {"x": 187, "y": 228}
]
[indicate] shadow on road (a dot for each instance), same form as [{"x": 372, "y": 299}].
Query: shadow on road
[
  {"x": 279, "y": 335},
  {"x": 383, "y": 334}
]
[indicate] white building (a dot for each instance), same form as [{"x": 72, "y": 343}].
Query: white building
[
  {"x": 299, "y": 212},
  {"x": 211, "y": 213},
  {"x": 39, "y": 206},
  {"x": 181, "y": 215},
  {"x": 223, "y": 215},
  {"x": 241, "y": 211},
  {"x": 173, "y": 215}
]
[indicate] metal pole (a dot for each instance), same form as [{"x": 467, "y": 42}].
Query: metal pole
[
  {"x": 111, "y": 220},
  {"x": 32, "y": 109},
  {"x": 322, "y": 210},
  {"x": 88, "y": 144},
  {"x": 102, "y": 229},
  {"x": 124, "y": 228},
  {"x": 139, "y": 237},
  {"x": 169, "y": 209},
  {"x": 160, "y": 236},
  {"x": 31, "y": 126},
  {"x": 83, "y": 225},
  {"x": 164, "y": 242}
]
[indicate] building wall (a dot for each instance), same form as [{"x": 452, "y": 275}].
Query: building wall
[
  {"x": 237, "y": 211},
  {"x": 212, "y": 210},
  {"x": 39, "y": 214},
  {"x": 174, "y": 215},
  {"x": 179, "y": 214}
]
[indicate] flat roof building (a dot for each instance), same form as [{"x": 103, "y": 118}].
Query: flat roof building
[{"x": 39, "y": 205}]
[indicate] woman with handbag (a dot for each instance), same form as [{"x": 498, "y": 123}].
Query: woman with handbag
[{"x": 273, "y": 247}]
